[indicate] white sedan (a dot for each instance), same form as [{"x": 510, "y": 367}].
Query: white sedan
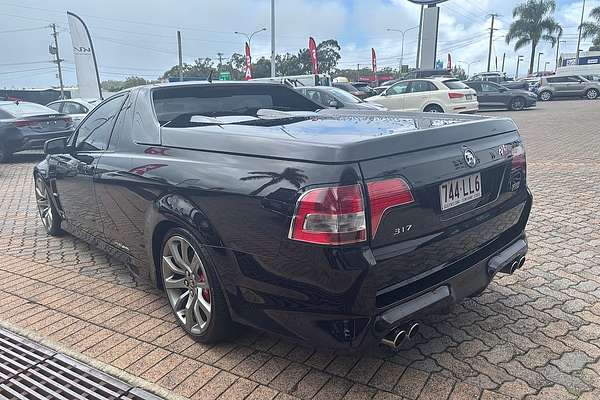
[
  {"x": 443, "y": 95},
  {"x": 74, "y": 108}
]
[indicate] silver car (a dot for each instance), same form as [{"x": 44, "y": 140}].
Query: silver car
[{"x": 551, "y": 87}]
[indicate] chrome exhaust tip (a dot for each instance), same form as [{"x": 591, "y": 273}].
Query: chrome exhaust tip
[
  {"x": 394, "y": 339},
  {"x": 513, "y": 267},
  {"x": 521, "y": 261},
  {"x": 413, "y": 331}
]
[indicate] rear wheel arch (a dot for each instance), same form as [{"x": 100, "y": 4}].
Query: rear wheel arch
[
  {"x": 175, "y": 211},
  {"x": 433, "y": 106}
]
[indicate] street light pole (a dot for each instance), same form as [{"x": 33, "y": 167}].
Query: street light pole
[
  {"x": 469, "y": 65},
  {"x": 403, "y": 32},
  {"x": 538, "y": 63},
  {"x": 519, "y": 59},
  {"x": 272, "y": 38},
  {"x": 249, "y": 37}
]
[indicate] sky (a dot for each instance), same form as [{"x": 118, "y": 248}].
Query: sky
[{"x": 138, "y": 37}]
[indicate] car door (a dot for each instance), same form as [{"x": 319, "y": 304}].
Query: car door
[
  {"x": 492, "y": 94},
  {"x": 393, "y": 98},
  {"x": 419, "y": 95},
  {"x": 74, "y": 171}
]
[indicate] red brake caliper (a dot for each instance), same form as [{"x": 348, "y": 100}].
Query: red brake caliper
[{"x": 205, "y": 292}]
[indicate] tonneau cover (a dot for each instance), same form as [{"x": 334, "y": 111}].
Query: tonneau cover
[{"x": 335, "y": 136}]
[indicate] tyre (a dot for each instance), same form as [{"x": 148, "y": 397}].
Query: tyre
[
  {"x": 546, "y": 95},
  {"x": 592, "y": 94},
  {"x": 190, "y": 282},
  {"x": 517, "y": 104},
  {"x": 4, "y": 153},
  {"x": 48, "y": 213},
  {"x": 433, "y": 108}
]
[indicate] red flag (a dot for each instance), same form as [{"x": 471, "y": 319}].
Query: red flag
[
  {"x": 312, "y": 49},
  {"x": 248, "y": 73},
  {"x": 449, "y": 61}
]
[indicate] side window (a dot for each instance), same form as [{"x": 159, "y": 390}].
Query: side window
[
  {"x": 55, "y": 106},
  {"x": 121, "y": 133},
  {"x": 575, "y": 79},
  {"x": 314, "y": 95},
  {"x": 94, "y": 132},
  {"x": 398, "y": 88},
  {"x": 486, "y": 87},
  {"x": 421, "y": 86},
  {"x": 70, "y": 107}
]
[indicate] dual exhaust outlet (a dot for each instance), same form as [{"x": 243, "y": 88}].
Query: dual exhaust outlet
[
  {"x": 396, "y": 337},
  {"x": 514, "y": 265}
]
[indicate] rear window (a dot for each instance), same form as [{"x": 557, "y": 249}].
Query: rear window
[
  {"x": 177, "y": 105},
  {"x": 21, "y": 109},
  {"x": 455, "y": 84}
]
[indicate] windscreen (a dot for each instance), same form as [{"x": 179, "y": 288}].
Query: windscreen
[
  {"x": 21, "y": 109},
  {"x": 177, "y": 105}
]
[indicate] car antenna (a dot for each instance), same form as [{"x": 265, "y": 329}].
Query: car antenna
[{"x": 209, "y": 79}]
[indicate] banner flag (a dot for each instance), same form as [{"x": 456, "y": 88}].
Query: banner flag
[
  {"x": 248, "y": 73},
  {"x": 84, "y": 58},
  {"x": 312, "y": 49}
]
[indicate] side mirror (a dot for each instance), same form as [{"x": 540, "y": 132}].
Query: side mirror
[
  {"x": 56, "y": 146},
  {"x": 334, "y": 103}
]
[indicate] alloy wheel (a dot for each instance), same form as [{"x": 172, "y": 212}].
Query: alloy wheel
[
  {"x": 43, "y": 203},
  {"x": 186, "y": 284},
  {"x": 592, "y": 94},
  {"x": 545, "y": 96},
  {"x": 518, "y": 104}
]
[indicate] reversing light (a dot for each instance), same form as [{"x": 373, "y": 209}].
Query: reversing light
[
  {"x": 386, "y": 194},
  {"x": 330, "y": 216}
]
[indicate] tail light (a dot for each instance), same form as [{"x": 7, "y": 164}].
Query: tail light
[
  {"x": 24, "y": 122},
  {"x": 518, "y": 165},
  {"x": 330, "y": 215},
  {"x": 384, "y": 195},
  {"x": 454, "y": 95},
  {"x": 518, "y": 156}
]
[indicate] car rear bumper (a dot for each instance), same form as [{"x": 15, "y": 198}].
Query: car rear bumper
[
  {"x": 464, "y": 108},
  {"x": 330, "y": 298}
]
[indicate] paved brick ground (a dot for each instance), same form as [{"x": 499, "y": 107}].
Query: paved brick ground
[{"x": 535, "y": 334}]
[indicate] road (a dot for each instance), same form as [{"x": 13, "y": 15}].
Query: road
[{"x": 534, "y": 334}]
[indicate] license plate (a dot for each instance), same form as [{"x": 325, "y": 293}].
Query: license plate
[
  {"x": 469, "y": 97},
  {"x": 459, "y": 191}
]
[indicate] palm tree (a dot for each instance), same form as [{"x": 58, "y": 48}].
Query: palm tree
[
  {"x": 292, "y": 175},
  {"x": 592, "y": 29},
  {"x": 533, "y": 23}
]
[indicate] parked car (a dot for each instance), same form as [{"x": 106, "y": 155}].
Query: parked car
[
  {"x": 246, "y": 206},
  {"x": 500, "y": 78},
  {"x": 442, "y": 95},
  {"x": 75, "y": 108},
  {"x": 551, "y": 87},
  {"x": 364, "y": 87},
  {"x": 327, "y": 96},
  {"x": 350, "y": 88},
  {"x": 493, "y": 95},
  {"x": 27, "y": 126}
]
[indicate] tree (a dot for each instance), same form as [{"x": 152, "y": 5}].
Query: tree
[
  {"x": 200, "y": 69},
  {"x": 459, "y": 72},
  {"x": 592, "y": 29},
  {"x": 533, "y": 22},
  {"x": 328, "y": 55},
  {"x": 115, "y": 86}
]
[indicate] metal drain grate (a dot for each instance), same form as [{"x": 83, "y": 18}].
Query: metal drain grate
[{"x": 30, "y": 371}]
